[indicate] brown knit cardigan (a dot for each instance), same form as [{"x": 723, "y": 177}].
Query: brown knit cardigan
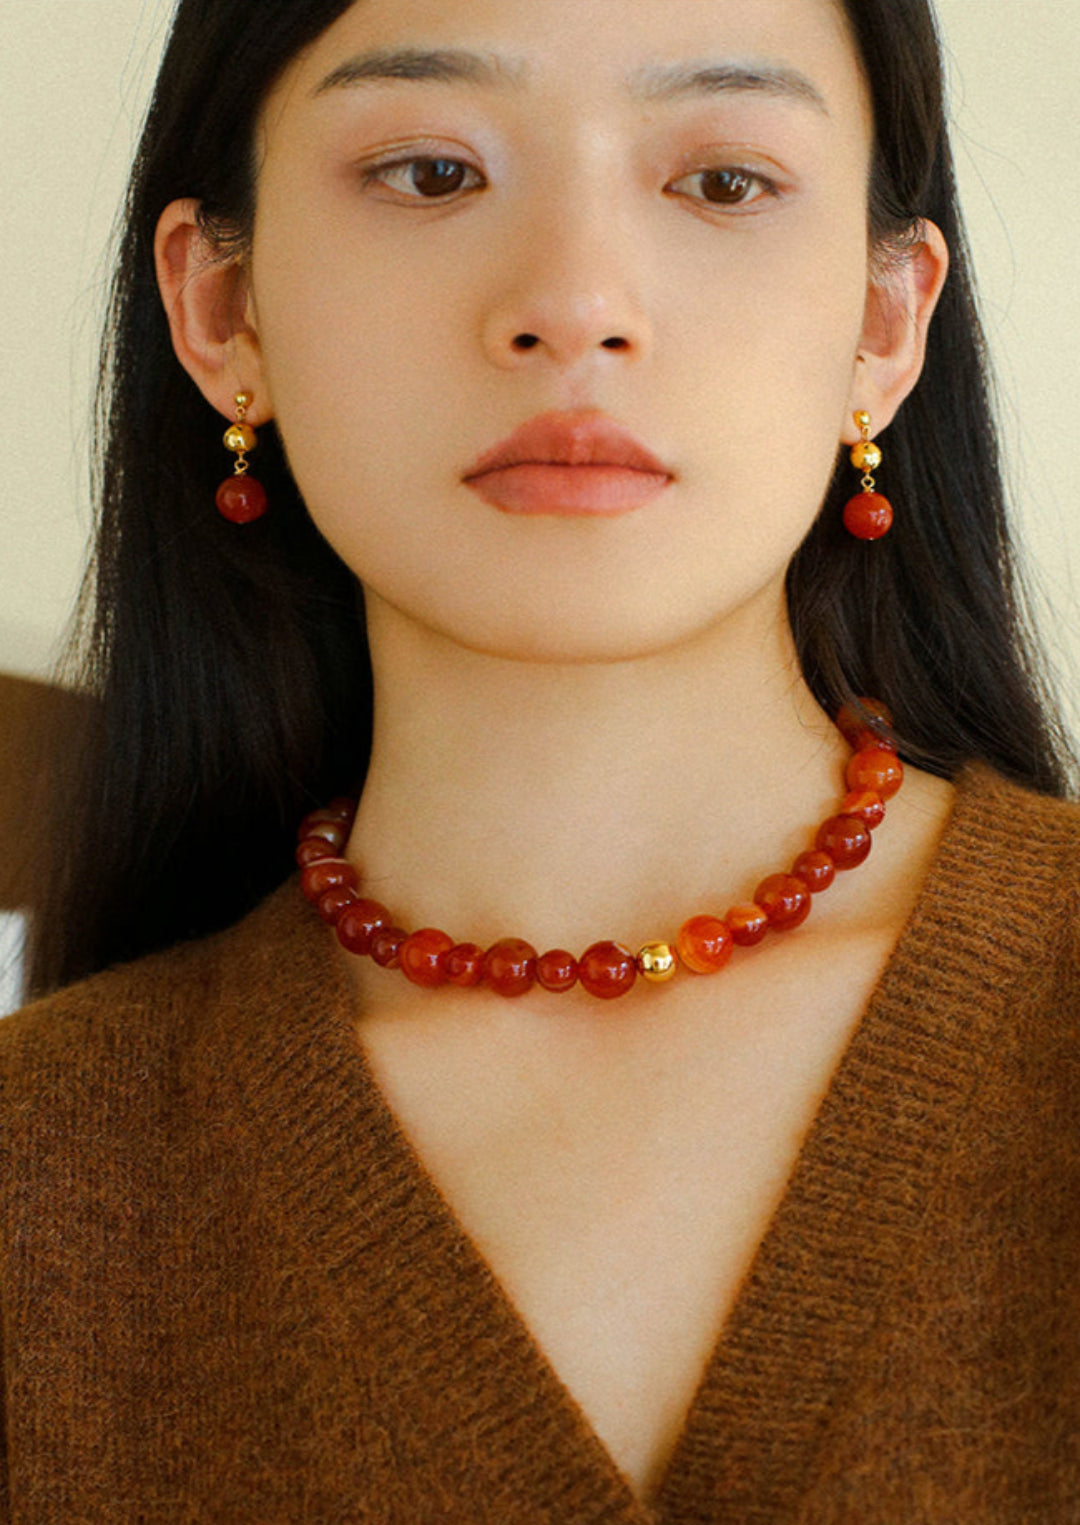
[{"x": 230, "y": 1293}]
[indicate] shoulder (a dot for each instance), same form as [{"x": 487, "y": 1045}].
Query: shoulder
[
  {"x": 994, "y": 793},
  {"x": 131, "y": 1040},
  {"x": 997, "y": 924},
  {"x": 1004, "y": 904},
  {"x": 96, "y": 1073},
  {"x": 86, "y": 1016},
  {"x": 1003, "y": 832},
  {"x": 139, "y": 1103}
]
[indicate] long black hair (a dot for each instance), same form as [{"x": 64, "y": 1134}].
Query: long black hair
[{"x": 229, "y": 673}]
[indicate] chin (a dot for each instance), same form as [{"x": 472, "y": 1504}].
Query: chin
[{"x": 600, "y": 629}]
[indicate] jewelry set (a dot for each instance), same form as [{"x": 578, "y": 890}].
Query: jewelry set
[
  {"x": 606, "y": 969},
  {"x": 241, "y": 499}
]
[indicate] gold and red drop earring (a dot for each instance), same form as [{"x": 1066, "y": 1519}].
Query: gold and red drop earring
[
  {"x": 240, "y": 498},
  {"x": 868, "y": 515}
]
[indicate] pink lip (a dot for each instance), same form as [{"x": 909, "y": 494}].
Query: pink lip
[{"x": 569, "y": 464}]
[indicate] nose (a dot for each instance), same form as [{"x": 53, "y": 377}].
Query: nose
[{"x": 573, "y": 295}]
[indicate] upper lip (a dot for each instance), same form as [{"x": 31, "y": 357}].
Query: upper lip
[{"x": 569, "y": 439}]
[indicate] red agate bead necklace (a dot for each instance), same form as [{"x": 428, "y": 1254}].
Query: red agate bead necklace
[{"x": 704, "y": 944}]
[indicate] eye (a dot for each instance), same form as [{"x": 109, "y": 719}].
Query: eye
[
  {"x": 424, "y": 178},
  {"x": 724, "y": 187}
]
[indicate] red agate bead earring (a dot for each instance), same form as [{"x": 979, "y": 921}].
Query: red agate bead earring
[
  {"x": 703, "y": 945},
  {"x": 241, "y": 499},
  {"x": 868, "y": 515}
]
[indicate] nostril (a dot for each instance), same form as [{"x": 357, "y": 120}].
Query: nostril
[{"x": 530, "y": 341}]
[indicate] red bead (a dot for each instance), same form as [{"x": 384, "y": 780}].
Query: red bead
[
  {"x": 866, "y": 804},
  {"x": 748, "y": 924},
  {"x": 557, "y": 970},
  {"x": 464, "y": 964},
  {"x": 510, "y": 967},
  {"x": 785, "y": 901},
  {"x": 607, "y": 970},
  {"x": 816, "y": 870},
  {"x": 333, "y": 832},
  {"x": 421, "y": 957},
  {"x": 846, "y": 839},
  {"x": 311, "y": 849},
  {"x": 342, "y": 808},
  {"x": 241, "y": 499},
  {"x": 866, "y": 739},
  {"x": 850, "y": 721},
  {"x": 322, "y": 817},
  {"x": 875, "y": 769},
  {"x": 868, "y": 516},
  {"x": 325, "y": 875},
  {"x": 359, "y": 922},
  {"x": 704, "y": 944},
  {"x": 333, "y": 903},
  {"x": 386, "y": 946}
]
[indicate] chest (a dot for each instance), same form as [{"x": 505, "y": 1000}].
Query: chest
[{"x": 618, "y": 1174}]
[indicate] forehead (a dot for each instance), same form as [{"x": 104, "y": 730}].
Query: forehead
[{"x": 638, "y": 48}]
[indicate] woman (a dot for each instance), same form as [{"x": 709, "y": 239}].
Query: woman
[{"x": 556, "y": 326}]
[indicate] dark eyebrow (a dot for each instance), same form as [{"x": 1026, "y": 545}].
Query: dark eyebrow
[
  {"x": 657, "y": 83},
  {"x": 445, "y": 66},
  {"x": 679, "y": 81}
]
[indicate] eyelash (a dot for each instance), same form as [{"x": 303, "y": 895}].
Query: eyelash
[
  {"x": 766, "y": 187},
  {"x": 378, "y": 175}
]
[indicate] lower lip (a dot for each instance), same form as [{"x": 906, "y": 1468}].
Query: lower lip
[{"x": 568, "y": 491}]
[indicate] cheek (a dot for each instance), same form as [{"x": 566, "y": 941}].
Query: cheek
[
  {"x": 365, "y": 363},
  {"x": 786, "y": 304},
  {"x": 329, "y": 348},
  {"x": 766, "y": 359}
]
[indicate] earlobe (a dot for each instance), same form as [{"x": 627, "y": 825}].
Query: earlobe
[
  {"x": 900, "y": 301},
  {"x": 207, "y": 300}
]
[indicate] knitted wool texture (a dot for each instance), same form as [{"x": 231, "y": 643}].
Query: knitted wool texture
[{"x": 230, "y": 1292}]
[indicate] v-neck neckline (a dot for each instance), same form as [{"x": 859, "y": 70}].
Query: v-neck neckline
[{"x": 339, "y": 1161}]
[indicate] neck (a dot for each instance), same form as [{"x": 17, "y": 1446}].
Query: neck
[{"x": 566, "y": 803}]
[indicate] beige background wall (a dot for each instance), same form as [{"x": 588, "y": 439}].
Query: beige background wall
[{"x": 74, "y": 76}]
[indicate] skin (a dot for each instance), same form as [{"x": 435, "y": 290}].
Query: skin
[
  {"x": 725, "y": 318},
  {"x": 584, "y": 727}
]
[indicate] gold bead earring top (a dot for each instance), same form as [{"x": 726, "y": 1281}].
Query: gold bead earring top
[
  {"x": 866, "y": 456},
  {"x": 241, "y": 437}
]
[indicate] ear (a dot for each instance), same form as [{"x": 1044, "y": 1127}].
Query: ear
[
  {"x": 900, "y": 301},
  {"x": 207, "y": 298}
]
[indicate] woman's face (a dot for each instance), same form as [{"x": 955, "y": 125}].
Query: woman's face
[{"x": 652, "y": 211}]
